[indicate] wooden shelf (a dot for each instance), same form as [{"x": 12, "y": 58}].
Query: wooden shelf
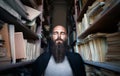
[
  {"x": 28, "y": 34},
  {"x": 15, "y": 65},
  {"x": 19, "y": 26},
  {"x": 84, "y": 9},
  {"x": 11, "y": 16},
  {"x": 106, "y": 23},
  {"x": 104, "y": 65}
]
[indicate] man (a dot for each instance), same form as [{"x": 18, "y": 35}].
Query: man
[{"x": 59, "y": 61}]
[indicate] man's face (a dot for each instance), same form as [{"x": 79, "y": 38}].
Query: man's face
[
  {"x": 59, "y": 43},
  {"x": 59, "y": 34}
]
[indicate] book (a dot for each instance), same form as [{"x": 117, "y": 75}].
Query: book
[
  {"x": 4, "y": 61},
  {"x": 113, "y": 36},
  {"x": 102, "y": 48},
  {"x": 94, "y": 11},
  {"x": 20, "y": 49},
  {"x": 32, "y": 13},
  {"x": 79, "y": 29},
  {"x": 92, "y": 50},
  {"x": 12, "y": 42},
  {"x": 98, "y": 46},
  {"x": 88, "y": 54},
  {"x": 113, "y": 41},
  {"x": 3, "y": 52},
  {"x": 5, "y": 36},
  {"x": 113, "y": 50},
  {"x": 86, "y": 22}
]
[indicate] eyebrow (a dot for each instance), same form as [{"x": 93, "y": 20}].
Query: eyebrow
[{"x": 60, "y": 32}]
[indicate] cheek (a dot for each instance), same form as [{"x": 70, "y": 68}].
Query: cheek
[
  {"x": 54, "y": 37},
  {"x": 63, "y": 37}
]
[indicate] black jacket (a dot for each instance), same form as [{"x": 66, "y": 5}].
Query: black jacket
[{"x": 74, "y": 59}]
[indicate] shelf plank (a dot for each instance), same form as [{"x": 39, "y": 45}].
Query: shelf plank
[
  {"x": 106, "y": 23},
  {"x": 28, "y": 34},
  {"x": 104, "y": 65},
  {"x": 15, "y": 65},
  {"x": 84, "y": 9}
]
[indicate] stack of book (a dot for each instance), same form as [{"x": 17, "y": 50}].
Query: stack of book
[
  {"x": 94, "y": 47},
  {"x": 5, "y": 54},
  {"x": 113, "y": 41}
]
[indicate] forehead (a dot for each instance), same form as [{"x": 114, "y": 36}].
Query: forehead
[{"x": 59, "y": 28}]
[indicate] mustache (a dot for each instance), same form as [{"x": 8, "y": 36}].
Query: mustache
[{"x": 59, "y": 39}]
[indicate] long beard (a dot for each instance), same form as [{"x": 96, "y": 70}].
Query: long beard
[{"x": 58, "y": 51}]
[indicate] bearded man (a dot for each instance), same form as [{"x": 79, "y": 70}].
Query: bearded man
[{"x": 59, "y": 61}]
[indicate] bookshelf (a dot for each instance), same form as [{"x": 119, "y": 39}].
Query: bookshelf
[
  {"x": 104, "y": 23},
  {"x": 30, "y": 35}
]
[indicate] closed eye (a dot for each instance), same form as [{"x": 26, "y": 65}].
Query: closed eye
[
  {"x": 63, "y": 33},
  {"x": 55, "y": 33}
]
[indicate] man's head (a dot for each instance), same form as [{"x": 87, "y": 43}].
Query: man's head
[
  {"x": 59, "y": 34},
  {"x": 59, "y": 42}
]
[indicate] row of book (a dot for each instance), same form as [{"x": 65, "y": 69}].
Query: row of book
[
  {"x": 94, "y": 13},
  {"x": 101, "y": 47},
  {"x": 98, "y": 47},
  {"x": 93, "y": 48},
  {"x": 14, "y": 47},
  {"x": 13, "y": 11},
  {"x": 113, "y": 41},
  {"x": 16, "y": 16}
]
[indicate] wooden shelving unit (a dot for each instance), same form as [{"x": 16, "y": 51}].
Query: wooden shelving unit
[
  {"x": 9, "y": 19},
  {"x": 106, "y": 23}
]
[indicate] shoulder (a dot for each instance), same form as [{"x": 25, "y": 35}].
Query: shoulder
[
  {"x": 40, "y": 64},
  {"x": 43, "y": 57},
  {"x": 74, "y": 55},
  {"x": 75, "y": 58},
  {"x": 76, "y": 63}
]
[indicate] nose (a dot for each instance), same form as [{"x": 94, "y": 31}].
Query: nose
[{"x": 59, "y": 35}]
